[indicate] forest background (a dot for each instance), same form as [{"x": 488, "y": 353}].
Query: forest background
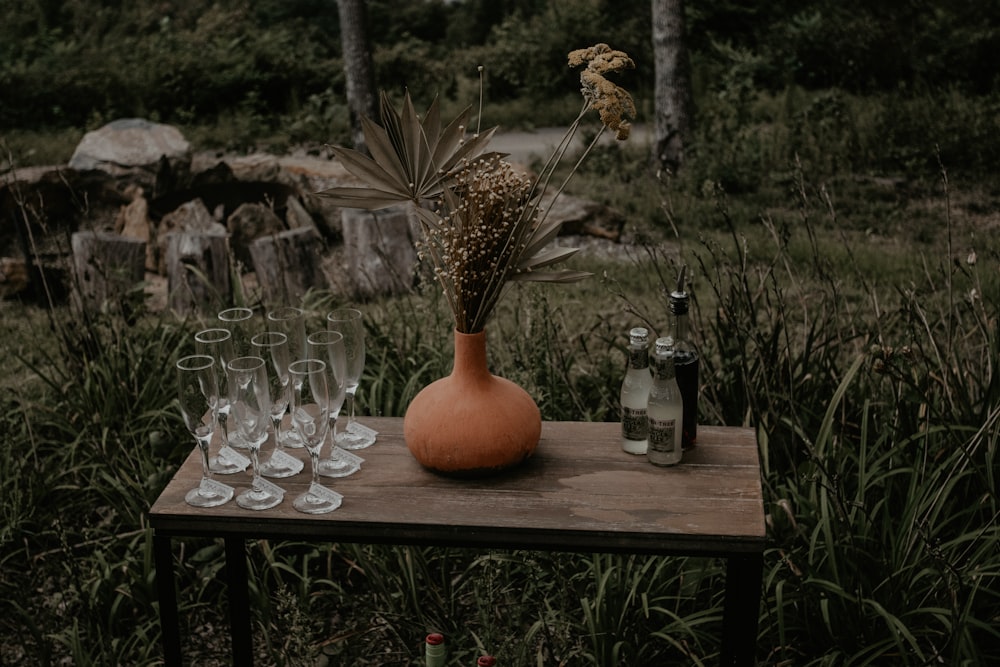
[
  {"x": 838, "y": 211},
  {"x": 270, "y": 72}
]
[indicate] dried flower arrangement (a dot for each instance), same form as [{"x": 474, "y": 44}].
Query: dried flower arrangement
[{"x": 481, "y": 220}]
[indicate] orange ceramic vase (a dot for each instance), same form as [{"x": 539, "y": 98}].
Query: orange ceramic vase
[{"x": 471, "y": 423}]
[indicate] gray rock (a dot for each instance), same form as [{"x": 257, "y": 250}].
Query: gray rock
[{"x": 133, "y": 147}]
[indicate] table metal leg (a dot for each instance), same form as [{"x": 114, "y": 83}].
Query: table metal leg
[
  {"x": 239, "y": 602},
  {"x": 744, "y": 575},
  {"x": 166, "y": 589}
]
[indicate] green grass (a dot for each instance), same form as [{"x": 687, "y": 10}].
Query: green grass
[{"x": 837, "y": 312}]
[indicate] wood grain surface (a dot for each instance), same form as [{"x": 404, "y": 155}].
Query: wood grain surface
[{"x": 579, "y": 492}]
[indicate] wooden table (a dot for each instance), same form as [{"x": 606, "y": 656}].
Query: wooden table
[{"x": 578, "y": 493}]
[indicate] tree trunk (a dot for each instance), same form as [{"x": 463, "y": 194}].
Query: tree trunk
[
  {"x": 672, "y": 122},
  {"x": 288, "y": 264},
  {"x": 107, "y": 267},
  {"x": 197, "y": 271},
  {"x": 358, "y": 67},
  {"x": 379, "y": 251}
]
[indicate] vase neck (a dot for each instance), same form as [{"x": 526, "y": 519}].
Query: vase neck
[{"x": 470, "y": 355}]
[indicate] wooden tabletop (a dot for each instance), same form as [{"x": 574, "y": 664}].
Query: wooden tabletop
[{"x": 579, "y": 492}]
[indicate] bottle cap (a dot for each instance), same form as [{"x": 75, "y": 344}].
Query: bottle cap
[
  {"x": 638, "y": 336},
  {"x": 664, "y": 345},
  {"x": 435, "y": 639},
  {"x": 679, "y": 303},
  {"x": 486, "y": 661},
  {"x": 679, "y": 298}
]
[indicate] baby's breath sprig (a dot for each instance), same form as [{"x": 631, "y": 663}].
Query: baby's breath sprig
[{"x": 485, "y": 227}]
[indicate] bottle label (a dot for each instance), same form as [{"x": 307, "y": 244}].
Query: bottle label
[
  {"x": 638, "y": 358},
  {"x": 635, "y": 424},
  {"x": 661, "y": 435}
]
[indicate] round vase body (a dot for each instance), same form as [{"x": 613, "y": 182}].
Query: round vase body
[{"x": 471, "y": 423}]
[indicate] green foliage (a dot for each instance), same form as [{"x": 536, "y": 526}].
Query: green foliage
[
  {"x": 845, "y": 301},
  {"x": 877, "y": 415}
]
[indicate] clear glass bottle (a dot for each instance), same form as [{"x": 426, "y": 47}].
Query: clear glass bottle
[
  {"x": 434, "y": 650},
  {"x": 686, "y": 361},
  {"x": 665, "y": 408},
  {"x": 635, "y": 393}
]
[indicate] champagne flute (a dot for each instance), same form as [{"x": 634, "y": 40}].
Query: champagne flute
[
  {"x": 250, "y": 410},
  {"x": 328, "y": 346},
  {"x": 290, "y": 321},
  {"x": 310, "y": 419},
  {"x": 217, "y": 343},
  {"x": 273, "y": 348},
  {"x": 348, "y": 321},
  {"x": 239, "y": 322},
  {"x": 197, "y": 395}
]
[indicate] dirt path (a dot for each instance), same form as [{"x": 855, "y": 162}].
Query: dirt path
[{"x": 524, "y": 146}]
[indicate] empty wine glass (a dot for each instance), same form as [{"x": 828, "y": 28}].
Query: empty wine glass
[
  {"x": 348, "y": 321},
  {"x": 273, "y": 348},
  {"x": 328, "y": 346},
  {"x": 239, "y": 322},
  {"x": 217, "y": 343},
  {"x": 310, "y": 419},
  {"x": 197, "y": 394},
  {"x": 250, "y": 411},
  {"x": 290, "y": 321}
]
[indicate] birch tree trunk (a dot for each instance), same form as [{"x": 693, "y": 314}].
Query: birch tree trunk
[
  {"x": 359, "y": 71},
  {"x": 672, "y": 84}
]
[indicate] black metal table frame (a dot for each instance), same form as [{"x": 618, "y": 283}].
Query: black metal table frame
[{"x": 744, "y": 576}]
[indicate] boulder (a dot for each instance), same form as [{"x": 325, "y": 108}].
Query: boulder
[{"x": 138, "y": 149}]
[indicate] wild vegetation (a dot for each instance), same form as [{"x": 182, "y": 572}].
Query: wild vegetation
[{"x": 841, "y": 235}]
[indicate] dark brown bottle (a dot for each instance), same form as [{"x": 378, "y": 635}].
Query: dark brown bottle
[{"x": 686, "y": 362}]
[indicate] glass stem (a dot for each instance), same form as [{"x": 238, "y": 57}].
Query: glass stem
[
  {"x": 314, "y": 460},
  {"x": 350, "y": 406},
  {"x": 277, "y": 434},
  {"x": 223, "y": 422},
  {"x": 206, "y": 468},
  {"x": 255, "y": 458}
]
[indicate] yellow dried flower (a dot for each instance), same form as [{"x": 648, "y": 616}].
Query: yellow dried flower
[{"x": 612, "y": 102}]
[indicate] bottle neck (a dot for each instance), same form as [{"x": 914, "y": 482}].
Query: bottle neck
[
  {"x": 638, "y": 358},
  {"x": 665, "y": 369},
  {"x": 680, "y": 333}
]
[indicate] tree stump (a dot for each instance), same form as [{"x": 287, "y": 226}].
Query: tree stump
[
  {"x": 106, "y": 268},
  {"x": 379, "y": 249},
  {"x": 197, "y": 271},
  {"x": 288, "y": 264}
]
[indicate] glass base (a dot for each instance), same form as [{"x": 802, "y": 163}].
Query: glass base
[
  {"x": 281, "y": 465},
  {"x": 221, "y": 466},
  {"x": 257, "y": 500},
  {"x": 340, "y": 464},
  {"x": 236, "y": 442},
  {"x": 291, "y": 439},
  {"x": 202, "y": 496},
  {"x": 356, "y": 436},
  {"x": 317, "y": 500}
]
